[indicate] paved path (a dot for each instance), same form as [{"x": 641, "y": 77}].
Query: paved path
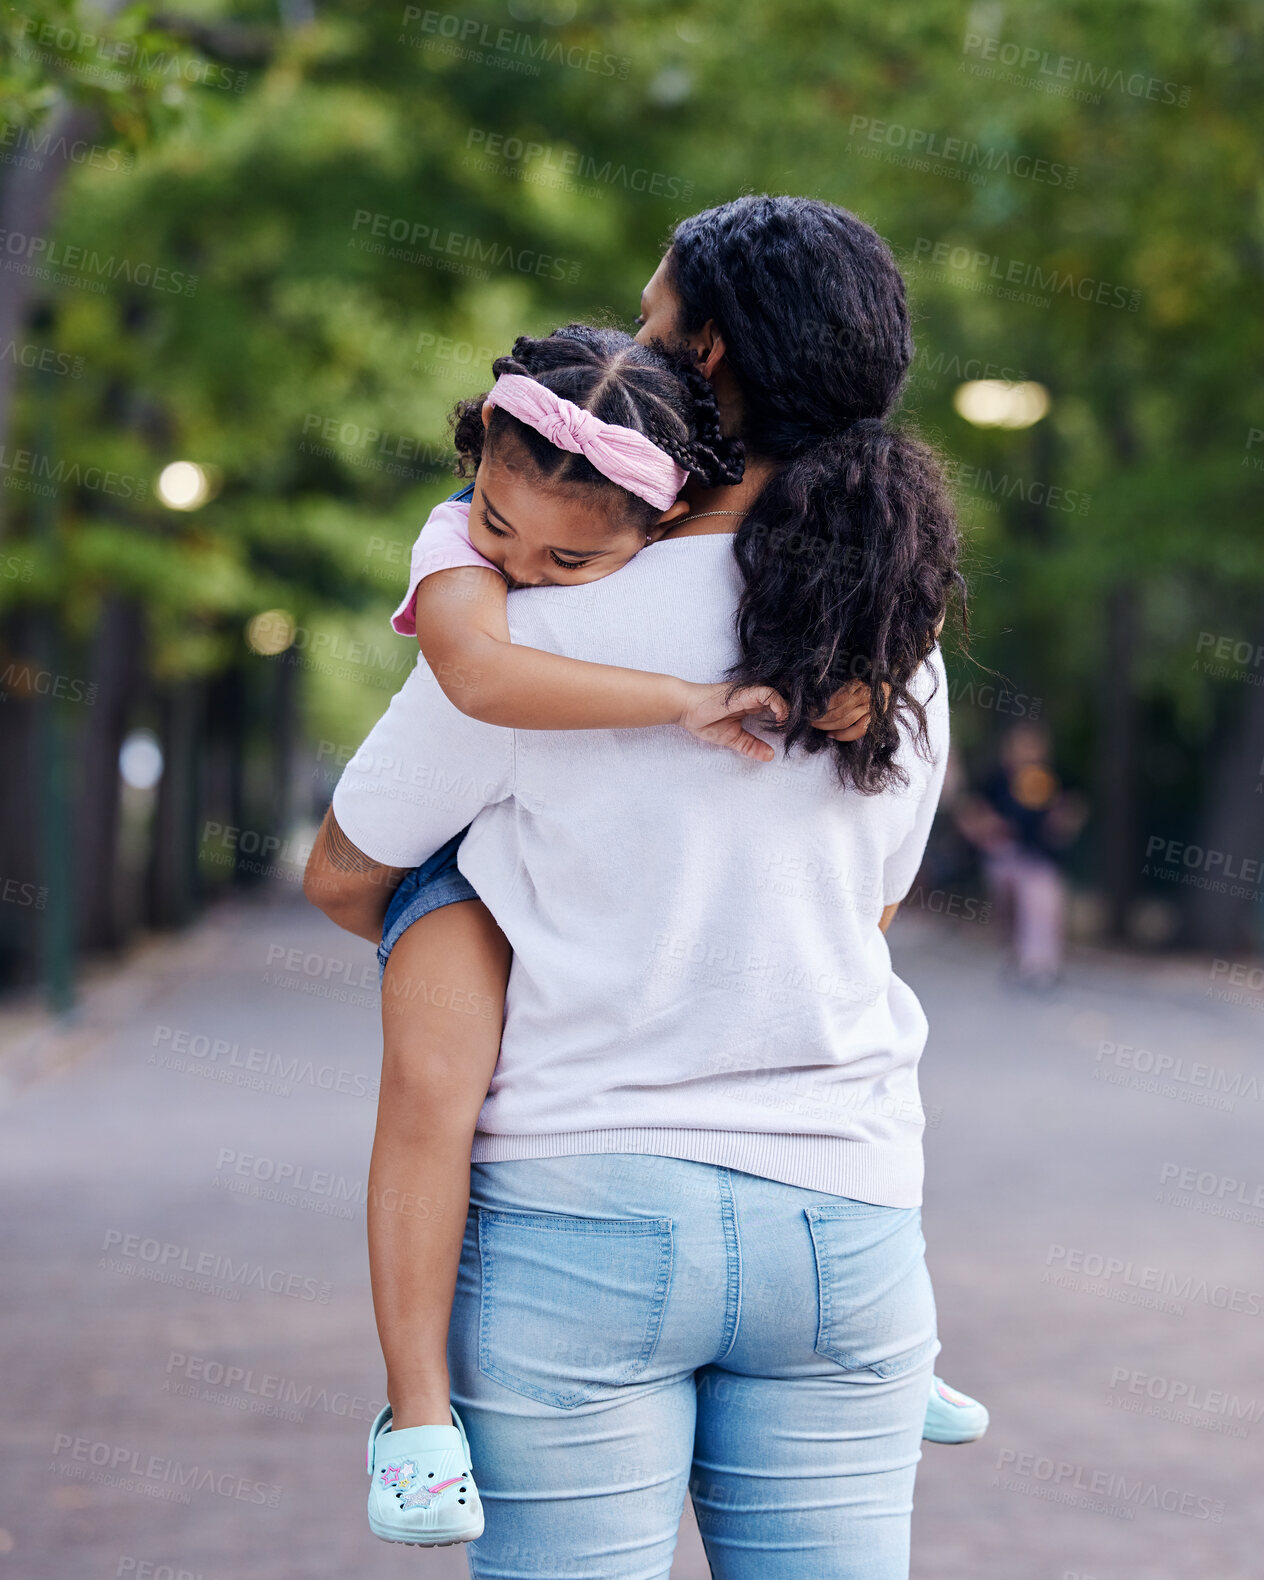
[{"x": 166, "y": 1313}]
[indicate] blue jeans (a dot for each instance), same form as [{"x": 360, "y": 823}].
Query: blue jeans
[{"x": 627, "y": 1326}]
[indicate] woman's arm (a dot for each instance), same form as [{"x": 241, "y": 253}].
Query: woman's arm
[
  {"x": 351, "y": 888},
  {"x": 463, "y": 632}
]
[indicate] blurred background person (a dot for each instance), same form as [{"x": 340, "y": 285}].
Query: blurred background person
[{"x": 1023, "y": 821}]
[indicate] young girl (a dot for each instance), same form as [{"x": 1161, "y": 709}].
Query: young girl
[{"x": 580, "y": 451}]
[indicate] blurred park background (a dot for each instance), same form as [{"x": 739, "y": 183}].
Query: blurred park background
[{"x": 252, "y": 254}]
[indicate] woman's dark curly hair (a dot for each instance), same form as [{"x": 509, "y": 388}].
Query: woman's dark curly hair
[
  {"x": 657, "y": 390},
  {"x": 849, "y": 554}
]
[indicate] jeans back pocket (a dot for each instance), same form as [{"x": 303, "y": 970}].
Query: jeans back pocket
[
  {"x": 877, "y": 1308},
  {"x": 571, "y": 1307}
]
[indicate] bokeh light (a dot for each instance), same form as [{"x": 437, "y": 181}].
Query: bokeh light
[
  {"x": 184, "y": 485},
  {"x": 271, "y": 632},
  {"x": 992, "y": 403},
  {"x": 140, "y": 760}
]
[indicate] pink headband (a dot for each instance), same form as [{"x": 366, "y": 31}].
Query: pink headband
[{"x": 621, "y": 454}]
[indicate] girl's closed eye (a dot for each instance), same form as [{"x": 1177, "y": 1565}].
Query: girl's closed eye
[{"x": 562, "y": 564}]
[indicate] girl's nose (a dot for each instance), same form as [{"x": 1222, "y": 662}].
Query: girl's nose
[{"x": 519, "y": 573}]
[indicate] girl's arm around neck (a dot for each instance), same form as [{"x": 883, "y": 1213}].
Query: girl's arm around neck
[{"x": 463, "y": 633}]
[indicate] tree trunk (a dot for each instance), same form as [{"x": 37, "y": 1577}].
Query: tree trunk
[
  {"x": 116, "y": 668},
  {"x": 284, "y": 723},
  {"x": 1231, "y": 835},
  {"x": 173, "y": 873},
  {"x": 1117, "y": 763},
  {"x": 19, "y": 812}
]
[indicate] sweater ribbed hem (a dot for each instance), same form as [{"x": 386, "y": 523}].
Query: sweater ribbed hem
[{"x": 889, "y": 1175}]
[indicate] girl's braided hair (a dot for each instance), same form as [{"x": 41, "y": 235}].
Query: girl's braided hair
[{"x": 657, "y": 390}]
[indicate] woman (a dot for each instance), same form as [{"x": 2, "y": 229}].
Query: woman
[{"x": 693, "y": 1253}]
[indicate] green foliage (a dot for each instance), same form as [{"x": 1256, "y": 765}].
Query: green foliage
[{"x": 310, "y": 324}]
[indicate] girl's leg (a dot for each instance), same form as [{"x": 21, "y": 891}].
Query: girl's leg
[{"x": 442, "y": 1012}]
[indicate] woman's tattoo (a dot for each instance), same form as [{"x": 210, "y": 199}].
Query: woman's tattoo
[{"x": 341, "y": 854}]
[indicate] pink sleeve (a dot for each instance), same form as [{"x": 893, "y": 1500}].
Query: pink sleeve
[{"x": 443, "y": 544}]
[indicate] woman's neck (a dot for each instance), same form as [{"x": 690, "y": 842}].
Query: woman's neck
[{"x": 728, "y": 496}]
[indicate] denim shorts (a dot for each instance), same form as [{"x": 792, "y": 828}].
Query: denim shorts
[{"x": 436, "y": 882}]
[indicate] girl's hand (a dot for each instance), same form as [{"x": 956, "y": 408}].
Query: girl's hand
[
  {"x": 715, "y": 716},
  {"x": 847, "y": 717}
]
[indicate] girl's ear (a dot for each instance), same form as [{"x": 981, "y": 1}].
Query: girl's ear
[
  {"x": 488, "y": 409},
  {"x": 671, "y": 517}
]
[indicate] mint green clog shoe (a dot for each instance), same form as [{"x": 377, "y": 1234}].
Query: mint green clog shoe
[
  {"x": 953, "y": 1417},
  {"x": 421, "y": 1484}
]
